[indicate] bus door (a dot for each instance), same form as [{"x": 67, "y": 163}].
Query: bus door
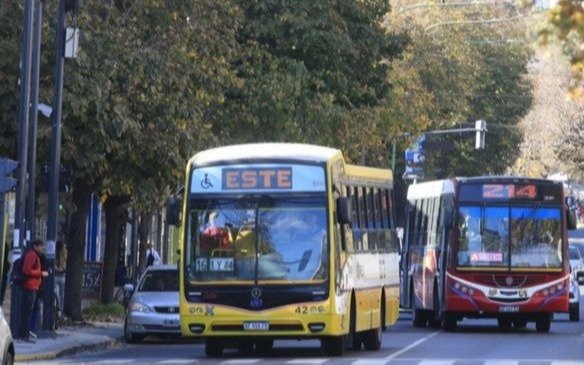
[{"x": 445, "y": 225}]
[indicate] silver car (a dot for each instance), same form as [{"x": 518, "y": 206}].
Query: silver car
[
  {"x": 6, "y": 342},
  {"x": 153, "y": 305}
]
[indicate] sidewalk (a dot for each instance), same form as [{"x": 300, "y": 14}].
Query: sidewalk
[{"x": 69, "y": 340}]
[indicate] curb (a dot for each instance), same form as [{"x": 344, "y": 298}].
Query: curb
[{"x": 71, "y": 350}]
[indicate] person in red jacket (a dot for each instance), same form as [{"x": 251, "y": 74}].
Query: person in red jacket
[{"x": 31, "y": 268}]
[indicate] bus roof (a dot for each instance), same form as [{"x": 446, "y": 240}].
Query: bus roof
[
  {"x": 273, "y": 151},
  {"x": 356, "y": 172},
  {"x": 430, "y": 189}
]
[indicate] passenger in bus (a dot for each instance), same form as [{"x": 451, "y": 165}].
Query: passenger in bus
[{"x": 214, "y": 238}]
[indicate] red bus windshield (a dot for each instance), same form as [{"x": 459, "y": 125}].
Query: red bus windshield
[{"x": 509, "y": 237}]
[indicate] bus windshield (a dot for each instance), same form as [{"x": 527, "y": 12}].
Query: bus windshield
[
  {"x": 257, "y": 237},
  {"x": 509, "y": 237}
]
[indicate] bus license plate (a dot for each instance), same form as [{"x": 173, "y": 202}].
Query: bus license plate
[
  {"x": 509, "y": 308},
  {"x": 256, "y": 326}
]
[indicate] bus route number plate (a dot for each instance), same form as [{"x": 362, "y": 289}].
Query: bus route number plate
[
  {"x": 509, "y": 309},
  {"x": 256, "y": 326}
]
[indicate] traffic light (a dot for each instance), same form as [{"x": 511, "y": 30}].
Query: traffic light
[
  {"x": 7, "y": 168},
  {"x": 481, "y": 129}
]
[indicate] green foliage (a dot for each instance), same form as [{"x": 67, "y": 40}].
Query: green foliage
[
  {"x": 468, "y": 69},
  {"x": 307, "y": 69}
]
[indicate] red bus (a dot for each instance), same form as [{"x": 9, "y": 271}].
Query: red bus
[{"x": 486, "y": 247}]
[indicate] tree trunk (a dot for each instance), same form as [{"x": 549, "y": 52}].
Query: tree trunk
[
  {"x": 114, "y": 209},
  {"x": 143, "y": 232},
  {"x": 76, "y": 250}
]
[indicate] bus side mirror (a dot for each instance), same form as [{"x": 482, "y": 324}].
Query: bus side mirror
[
  {"x": 572, "y": 220},
  {"x": 344, "y": 210},
  {"x": 172, "y": 211}
]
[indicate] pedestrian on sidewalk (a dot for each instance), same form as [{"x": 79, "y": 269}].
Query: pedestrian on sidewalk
[
  {"x": 31, "y": 268},
  {"x": 152, "y": 256},
  {"x": 37, "y": 311}
]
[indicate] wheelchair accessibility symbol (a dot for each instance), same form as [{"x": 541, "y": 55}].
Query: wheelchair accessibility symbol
[{"x": 206, "y": 182}]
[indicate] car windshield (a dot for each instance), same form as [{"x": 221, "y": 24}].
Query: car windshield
[
  {"x": 159, "y": 281},
  {"x": 515, "y": 237},
  {"x": 258, "y": 238}
]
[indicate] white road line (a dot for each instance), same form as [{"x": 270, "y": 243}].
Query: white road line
[
  {"x": 436, "y": 362},
  {"x": 307, "y": 361},
  {"x": 411, "y": 346}
]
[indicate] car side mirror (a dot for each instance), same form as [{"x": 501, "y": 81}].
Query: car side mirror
[{"x": 172, "y": 211}]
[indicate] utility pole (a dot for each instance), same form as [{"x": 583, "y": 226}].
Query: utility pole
[
  {"x": 23, "y": 118},
  {"x": 32, "y": 131},
  {"x": 53, "y": 209}
]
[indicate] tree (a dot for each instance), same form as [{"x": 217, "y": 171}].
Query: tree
[
  {"x": 145, "y": 78},
  {"x": 470, "y": 59},
  {"x": 567, "y": 20},
  {"x": 308, "y": 71}
]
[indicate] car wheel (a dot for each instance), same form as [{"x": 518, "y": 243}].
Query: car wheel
[
  {"x": 131, "y": 337},
  {"x": 575, "y": 312}
]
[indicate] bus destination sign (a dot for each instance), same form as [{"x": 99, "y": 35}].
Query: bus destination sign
[
  {"x": 509, "y": 191},
  {"x": 257, "y": 178},
  {"x": 249, "y": 178}
]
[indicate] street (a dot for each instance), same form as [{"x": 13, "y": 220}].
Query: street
[
  {"x": 477, "y": 341},
  {"x": 474, "y": 342}
]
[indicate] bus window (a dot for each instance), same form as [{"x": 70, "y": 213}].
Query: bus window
[
  {"x": 536, "y": 237},
  {"x": 469, "y": 235}
]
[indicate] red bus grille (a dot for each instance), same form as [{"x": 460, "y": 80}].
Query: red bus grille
[{"x": 509, "y": 280}]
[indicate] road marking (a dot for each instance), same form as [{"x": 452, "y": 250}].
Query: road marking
[
  {"x": 436, "y": 362},
  {"x": 411, "y": 346},
  {"x": 308, "y": 361}
]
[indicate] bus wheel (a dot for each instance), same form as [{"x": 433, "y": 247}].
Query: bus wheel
[
  {"x": 419, "y": 317},
  {"x": 213, "y": 347},
  {"x": 333, "y": 345},
  {"x": 519, "y": 323},
  {"x": 245, "y": 346},
  {"x": 574, "y": 313},
  {"x": 449, "y": 321},
  {"x": 543, "y": 323},
  {"x": 372, "y": 339},
  {"x": 264, "y": 346},
  {"x": 435, "y": 320},
  {"x": 504, "y": 323}
]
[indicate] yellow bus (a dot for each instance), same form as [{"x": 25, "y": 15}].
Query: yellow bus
[{"x": 286, "y": 241}]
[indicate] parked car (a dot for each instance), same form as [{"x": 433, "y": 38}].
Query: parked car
[
  {"x": 574, "y": 307},
  {"x": 153, "y": 305},
  {"x": 577, "y": 263},
  {"x": 6, "y": 342}
]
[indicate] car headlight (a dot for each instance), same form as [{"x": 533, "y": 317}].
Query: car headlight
[{"x": 139, "y": 307}]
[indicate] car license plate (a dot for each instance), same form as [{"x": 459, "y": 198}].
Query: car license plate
[
  {"x": 509, "y": 308},
  {"x": 170, "y": 323},
  {"x": 256, "y": 326}
]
